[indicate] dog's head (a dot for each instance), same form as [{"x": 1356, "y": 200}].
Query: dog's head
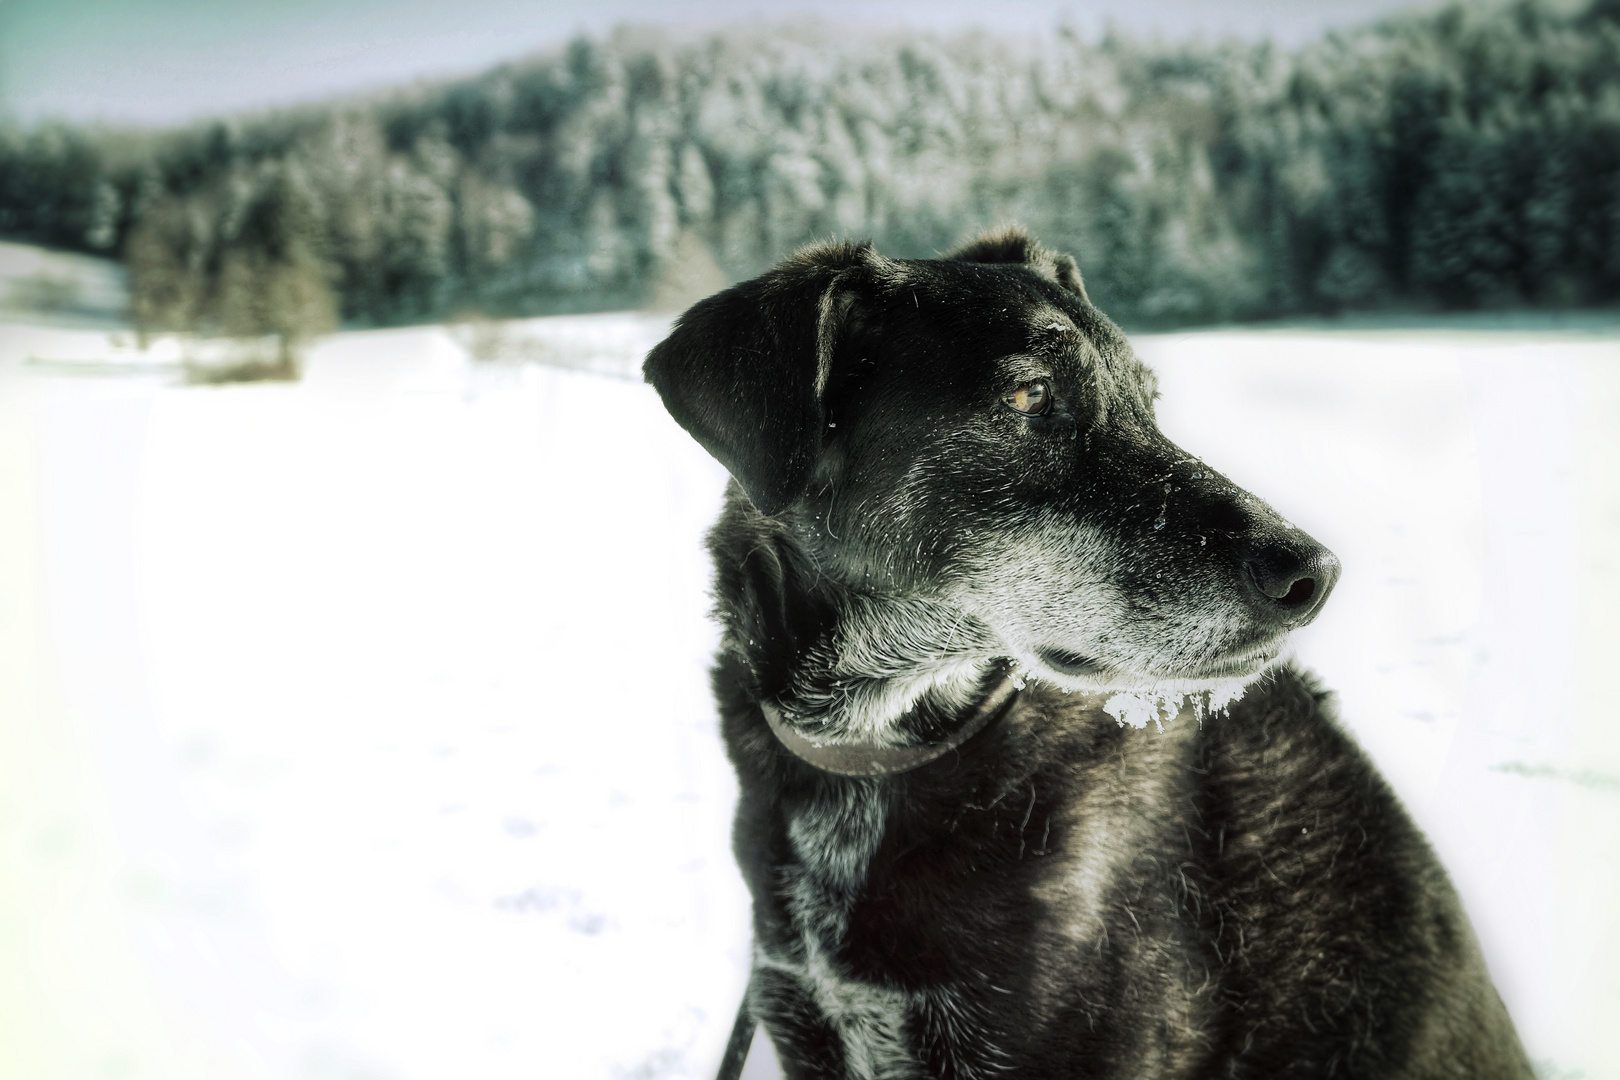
[{"x": 972, "y": 430}]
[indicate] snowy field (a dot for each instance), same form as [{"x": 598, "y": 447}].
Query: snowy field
[{"x": 358, "y": 729}]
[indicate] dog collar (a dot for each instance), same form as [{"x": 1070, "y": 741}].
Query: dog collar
[{"x": 870, "y": 759}]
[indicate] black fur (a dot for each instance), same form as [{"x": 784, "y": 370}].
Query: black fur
[{"x": 1062, "y": 896}]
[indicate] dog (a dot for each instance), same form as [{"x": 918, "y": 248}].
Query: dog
[{"x": 1025, "y": 789}]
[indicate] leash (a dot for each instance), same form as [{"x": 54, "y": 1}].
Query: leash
[
  {"x": 864, "y": 759},
  {"x": 742, "y": 1036}
]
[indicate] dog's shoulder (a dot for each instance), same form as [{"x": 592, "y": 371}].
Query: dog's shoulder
[{"x": 1335, "y": 911}]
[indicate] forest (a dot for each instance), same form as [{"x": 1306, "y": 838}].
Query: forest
[{"x": 1462, "y": 158}]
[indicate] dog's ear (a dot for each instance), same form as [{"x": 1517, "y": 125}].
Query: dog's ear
[
  {"x": 1006, "y": 245},
  {"x": 1013, "y": 245},
  {"x": 745, "y": 370}
]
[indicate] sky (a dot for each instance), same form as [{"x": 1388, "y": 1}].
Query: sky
[{"x": 158, "y": 62}]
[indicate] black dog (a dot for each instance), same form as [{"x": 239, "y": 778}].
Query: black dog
[{"x": 957, "y": 556}]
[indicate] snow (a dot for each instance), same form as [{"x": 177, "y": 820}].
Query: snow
[
  {"x": 359, "y": 728},
  {"x": 1160, "y": 707}
]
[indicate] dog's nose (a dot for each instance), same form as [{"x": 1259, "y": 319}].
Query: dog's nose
[{"x": 1292, "y": 578}]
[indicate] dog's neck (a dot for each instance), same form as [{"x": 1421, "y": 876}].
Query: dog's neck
[
  {"x": 863, "y": 759},
  {"x": 882, "y": 675},
  {"x": 839, "y": 663}
]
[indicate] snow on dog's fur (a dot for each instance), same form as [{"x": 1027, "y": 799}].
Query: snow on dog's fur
[{"x": 948, "y": 474}]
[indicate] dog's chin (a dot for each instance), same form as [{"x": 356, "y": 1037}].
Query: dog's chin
[
  {"x": 1245, "y": 665},
  {"x": 1075, "y": 671}
]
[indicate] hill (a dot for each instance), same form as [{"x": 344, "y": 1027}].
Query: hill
[{"x": 1459, "y": 159}]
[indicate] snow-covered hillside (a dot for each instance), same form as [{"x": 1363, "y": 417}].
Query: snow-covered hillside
[
  {"x": 359, "y": 727},
  {"x": 62, "y": 286}
]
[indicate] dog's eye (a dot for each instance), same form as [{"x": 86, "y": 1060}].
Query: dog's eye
[{"x": 1031, "y": 398}]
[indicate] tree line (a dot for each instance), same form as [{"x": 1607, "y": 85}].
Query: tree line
[{"x": 1463, "y": 158}]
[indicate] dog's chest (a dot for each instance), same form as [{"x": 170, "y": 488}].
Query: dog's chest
[
  {"x": 834, "y": 838},
  {"x": 825, "y": 893},
  {"x": 1064, "y": 862}
]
